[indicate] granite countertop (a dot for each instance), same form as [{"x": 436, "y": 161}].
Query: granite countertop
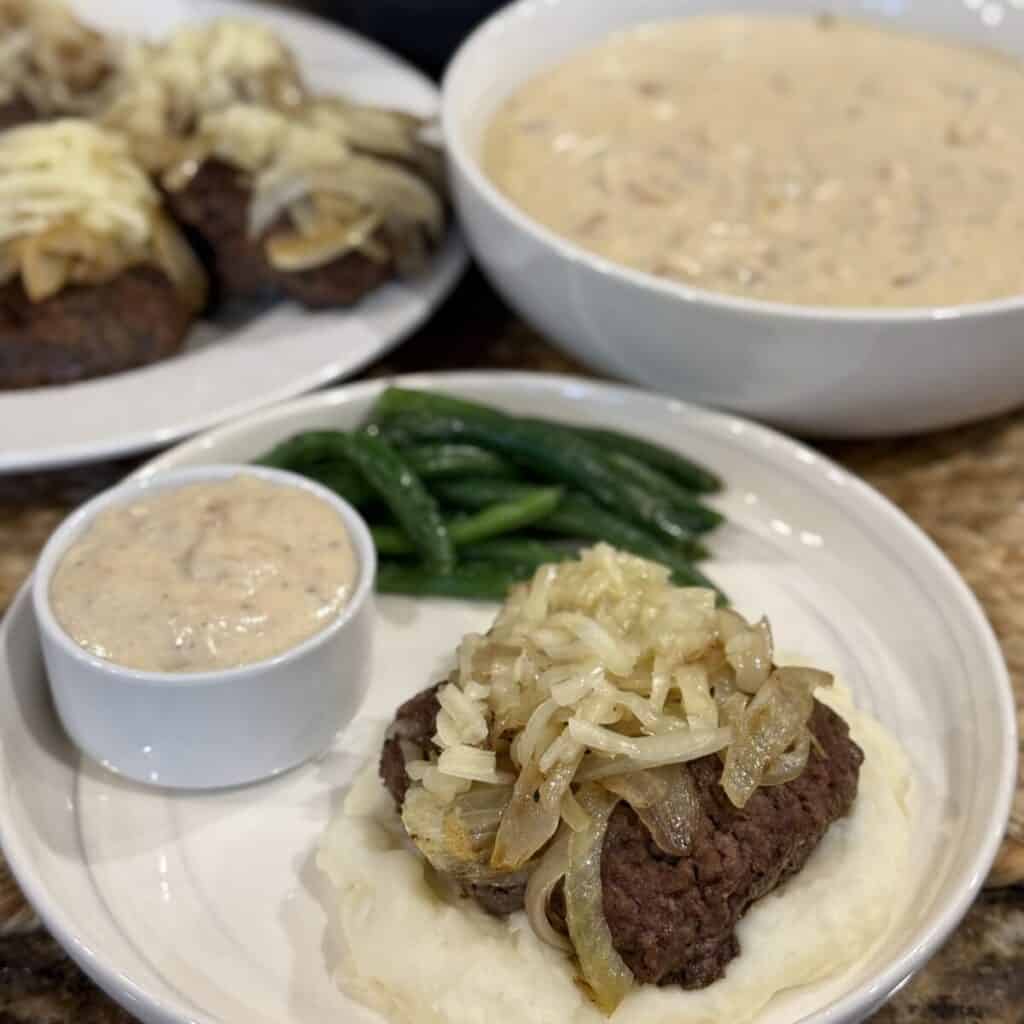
[{"x": 964, "y": 487}]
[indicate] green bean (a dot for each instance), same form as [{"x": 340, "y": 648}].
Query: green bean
[
  {"x": 530, "y": 551},
  {"x": 691, "y": 475},
  {"x": 442, "y": 461},
  {"x": 490, "y": 521},
  {"x": 481, "y": 581},
  {"x": 558, "y": 455},
  {"x": 398, "y": 401},
  {"x": 307, "y": 448},
  {"x": 391, "y": 540},
  {"x": 475, "y": 493},
  {"x": 578, "y": 517},
  {"x": 507, "y": 517},
  {"x": 321, "y": 455},
  {"x": 403, "y": 492},
  {"x": 575, "y": 516},
  {"x": 698, "y": 517},
  {"x": 342, "y": 479}
]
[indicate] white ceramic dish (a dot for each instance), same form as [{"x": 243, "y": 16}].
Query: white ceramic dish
[
  {"x": 814, "y": 370},
  {"x": 205, "y": 730},
  {"x": 206, "y": 908},
  {"x": 229, "y": 370}
]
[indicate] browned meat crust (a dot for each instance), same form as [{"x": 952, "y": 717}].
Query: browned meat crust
[
  {"x": 89, "y": 331},
  {"x": 673, "y": 919},
  {"x": 17, "y": 111},
  {"x": 413, "y": 725},
  {"x": 214, "y": 205}
]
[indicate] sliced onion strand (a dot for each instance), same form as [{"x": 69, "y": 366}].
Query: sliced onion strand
[
  {"x": 549, "y": 872},
  {"x": 602, "y": 967}
]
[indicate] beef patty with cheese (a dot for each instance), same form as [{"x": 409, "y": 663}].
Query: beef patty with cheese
[{"x": 94, "y": 277}]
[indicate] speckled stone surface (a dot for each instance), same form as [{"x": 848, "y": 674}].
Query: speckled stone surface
[{"x": 965, "y": 487}]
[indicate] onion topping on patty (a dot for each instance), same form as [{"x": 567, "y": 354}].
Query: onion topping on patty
[{"x": 598, "y": 682}]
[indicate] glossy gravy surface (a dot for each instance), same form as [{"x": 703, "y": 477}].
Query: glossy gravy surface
[
  {"x": 807, "y": 160},
  {"x": 205, "y": 577}
]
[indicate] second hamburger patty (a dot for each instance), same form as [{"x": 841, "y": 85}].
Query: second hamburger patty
[
  {"x": 87, "y": 331},
  {"x": 673, "y": 919},
  {"x": 214, "y": 207}
]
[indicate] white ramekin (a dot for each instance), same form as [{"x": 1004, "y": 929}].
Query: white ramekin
[{"x": 209, "y": 729}]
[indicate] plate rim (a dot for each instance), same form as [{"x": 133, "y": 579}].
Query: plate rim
[
  {"x": 447, "y": 267},
  {"x": 846, "y": 1008}
]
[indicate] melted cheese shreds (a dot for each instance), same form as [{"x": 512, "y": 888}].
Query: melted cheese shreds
[
  {"x": 230, "y": 48},
  {"x": 264, "y": 141},
  {"x": 604, "y": 654},
  {"x": 165, "y": 89},
  {"x": 51, "y": 59},
  {"x": 76, "y": 208},
  {"x": 72, "y": 170}
]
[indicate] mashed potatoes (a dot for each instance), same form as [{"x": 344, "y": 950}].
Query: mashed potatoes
[{"x": 419, "y": 959}]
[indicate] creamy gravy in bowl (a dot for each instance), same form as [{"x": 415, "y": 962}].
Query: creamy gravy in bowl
[
  {"x": 206, "y": 576},
  {"x": 812, "y": 161}
]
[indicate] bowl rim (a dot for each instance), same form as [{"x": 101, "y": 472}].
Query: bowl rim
[
  {"x": 135, "y": 487},
  {"x": 487, "y": 36}
]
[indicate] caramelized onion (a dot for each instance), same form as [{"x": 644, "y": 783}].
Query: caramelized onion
[
  {"x": 293, "y": 251},
  {"x": 485, "y": 798},
  {"x": 698, "y": 743},
  {"x": 664, "y": 748},
  {"x": 673, "y": 820},
  {"x": 666, "y": 801},
  {"x": 572, "y": 812},
  {"x": 383, "y": 133},
  {"x": 471, "y": 833},
  {"x": 457, "y": 838},
  {"x": 526, "y": 825},
  {"x": 603, "y": 969},
  {"x": 270, "y": 203},
  {"x": 789, "y": 766},
  {"x": 179, "y": 262},
  {"x": 640, "y": 789},
  {"x": 43, "y": 272},
  {"x": 548, "y": 873},
  {"x": 773, "y": 722},
  {"x": 423, "y": 816}
]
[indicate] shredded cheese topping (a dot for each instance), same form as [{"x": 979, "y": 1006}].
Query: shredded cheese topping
[
  {"x": 75, "y": 207},
  {"x": 165, "y": 89},
  {"x": 51, "y": 59},
  {"x": 604, "y": 655},
  {"x": 72, "y": 169}
]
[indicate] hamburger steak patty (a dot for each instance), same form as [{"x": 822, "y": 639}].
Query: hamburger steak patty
[
  {"x": 673, "y": 919},
  {"x": 214, "y": 208},
  {"x": 89, "y": 330}
]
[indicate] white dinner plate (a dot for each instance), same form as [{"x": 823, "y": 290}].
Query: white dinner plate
[
  {"x": 227, "y": 370},
  {"x": 207, "y": 908}
]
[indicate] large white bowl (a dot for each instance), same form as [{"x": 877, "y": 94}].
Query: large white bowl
[{"x": 814, "y": 370}]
